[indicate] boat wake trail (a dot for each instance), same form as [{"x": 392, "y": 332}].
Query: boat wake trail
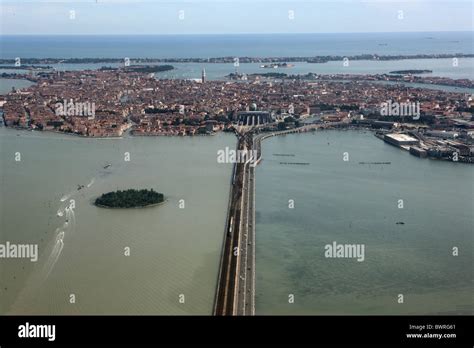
[
  {"x": 66, "y": 197},
  {"x": 54, "y": 256},
  {"x": 68, "y": 228},
  {"x": 91, "y": 183},
  {"x": 35, "y": 282},
  {"x": 70, "y": 223},
  {"x": 52, "y": 251}
]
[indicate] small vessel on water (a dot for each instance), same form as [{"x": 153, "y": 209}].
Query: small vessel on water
[{"x": 107, "y": 165}]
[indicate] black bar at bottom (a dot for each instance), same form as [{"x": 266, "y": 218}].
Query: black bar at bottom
[{"x": 411, "y": 330}]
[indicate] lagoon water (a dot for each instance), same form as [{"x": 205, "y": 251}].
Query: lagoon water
[
  {"x": 220, "y": 71},
  {"x": 6, "y": 85},
  {"x": 355, "y": 203},
  {"x": 173, "y": 251},
  {"x": 176, "y": 251}
]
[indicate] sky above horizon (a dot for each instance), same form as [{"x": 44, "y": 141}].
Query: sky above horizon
[{"x": 138, "y": 17}]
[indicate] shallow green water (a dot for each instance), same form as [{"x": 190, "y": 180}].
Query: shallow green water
[{"x": 354, "y": 203}]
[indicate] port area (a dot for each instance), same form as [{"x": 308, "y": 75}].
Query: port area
[{"x": 430, "y": 144}]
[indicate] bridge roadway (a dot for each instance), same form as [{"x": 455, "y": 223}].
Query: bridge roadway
[
  {"x": 228, "y": 276},
  {"x": 235, "y": 294},
  {"x": 246, "y": 267}
]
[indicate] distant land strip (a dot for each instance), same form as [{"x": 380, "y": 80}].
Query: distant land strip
[
  {"x": 296, "y": 163},
  {"x": 313, "y": 59},
  {"x": 412, "y": 71}
]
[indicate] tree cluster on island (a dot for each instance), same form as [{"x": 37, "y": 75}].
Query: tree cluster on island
[
  {"x": 140, "y": 68},
  {"x": 271, "y": 74},
  {"x": 130, "y": 198}
]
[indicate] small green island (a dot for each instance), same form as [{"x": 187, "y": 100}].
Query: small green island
[
  {"x": 130, "y": 199},
  {"x": 140, "y": 68}
]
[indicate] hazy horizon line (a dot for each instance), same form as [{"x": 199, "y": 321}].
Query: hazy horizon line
[{"x": 274, "y": 33}]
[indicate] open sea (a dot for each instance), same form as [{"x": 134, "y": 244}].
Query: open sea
[{"x": 254, "y": 45}]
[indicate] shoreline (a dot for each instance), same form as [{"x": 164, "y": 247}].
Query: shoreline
[
  {"x": 81, "y": 136},
  {"x": 264, "y": 136}
]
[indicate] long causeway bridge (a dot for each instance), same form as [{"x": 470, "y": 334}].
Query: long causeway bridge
[{"x": 235, "y": 294}]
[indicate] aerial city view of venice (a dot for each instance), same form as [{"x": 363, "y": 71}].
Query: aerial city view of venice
[{"x": 168, "y": 158}]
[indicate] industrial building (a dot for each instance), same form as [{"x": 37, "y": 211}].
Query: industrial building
[{"x": 400, "y": 139}]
